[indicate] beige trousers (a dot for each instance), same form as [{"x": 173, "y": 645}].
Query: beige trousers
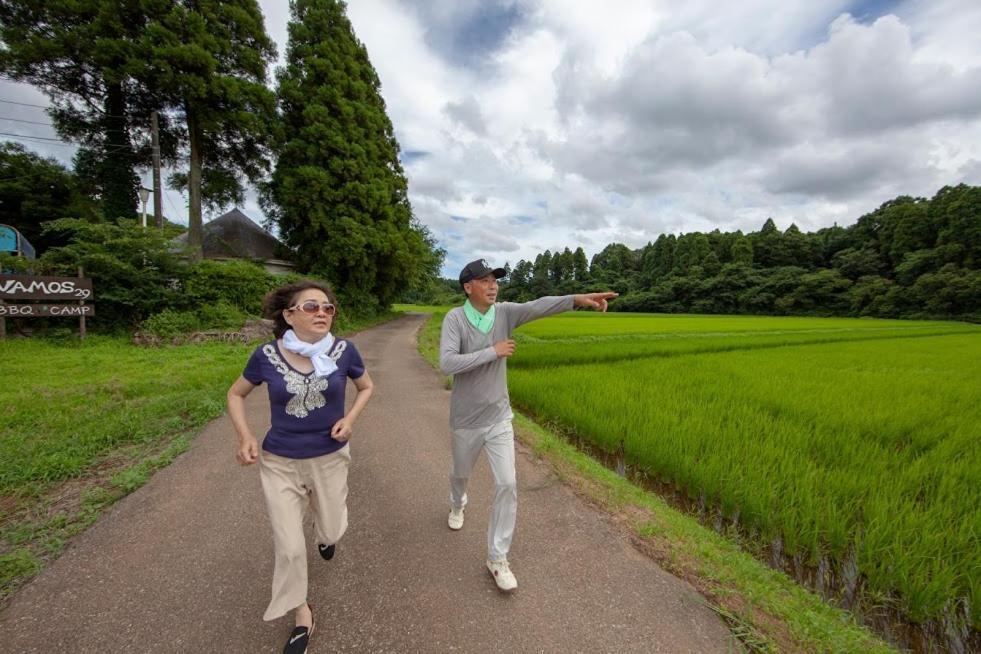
[{"x": 290, "y": 487}]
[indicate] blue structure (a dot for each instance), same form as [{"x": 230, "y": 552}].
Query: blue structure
[{"x": 14, "y": 242}]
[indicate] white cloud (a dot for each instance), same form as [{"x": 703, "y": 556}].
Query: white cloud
[
  {"x": 945, "y": 31},
  {"x": 869, "y": 79}
]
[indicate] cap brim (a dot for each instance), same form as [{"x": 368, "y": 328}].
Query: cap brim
[{"x": 497, "y": 272}]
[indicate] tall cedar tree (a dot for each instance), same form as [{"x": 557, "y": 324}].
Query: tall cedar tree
[
  {"x": 338, "y": 192},
  {"x": 82, "y": 53},
  {"x": 208, "y": 59}
]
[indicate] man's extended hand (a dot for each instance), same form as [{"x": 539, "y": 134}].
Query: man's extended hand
[
  {"x": 594, "y": 300},
  {"x": 504, "y": 348}
]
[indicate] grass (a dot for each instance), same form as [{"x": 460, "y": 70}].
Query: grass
[
  {"x": 428, "y": 338},
  {"x": 85, "y": 423},
  {"x": 834, "y": 435}
]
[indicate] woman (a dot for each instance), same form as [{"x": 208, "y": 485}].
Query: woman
[{"x": 305, "y": 458}]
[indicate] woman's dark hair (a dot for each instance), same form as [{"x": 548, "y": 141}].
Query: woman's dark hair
[{"x": 283, "y": 298}]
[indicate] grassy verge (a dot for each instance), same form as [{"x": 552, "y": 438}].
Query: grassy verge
[
  {"x": 86, "y": 423},
  {"x": 767, "y": 610}
]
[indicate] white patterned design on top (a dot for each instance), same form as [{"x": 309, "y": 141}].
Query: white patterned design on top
[
  {"x": 307, "y": 390},
  {"x": 338, "y": 350}
]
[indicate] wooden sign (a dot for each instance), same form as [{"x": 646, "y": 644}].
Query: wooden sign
[
  {"x": 25, "y": 287},
  {"x": 46, "y": 310}
]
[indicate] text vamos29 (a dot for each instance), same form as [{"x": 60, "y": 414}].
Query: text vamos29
[{"x": 12, "y": 286}]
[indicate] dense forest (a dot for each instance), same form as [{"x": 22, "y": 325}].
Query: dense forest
[{"x": 911, "y": 258}]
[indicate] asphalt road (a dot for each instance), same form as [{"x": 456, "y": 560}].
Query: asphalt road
[{"x": 184, "y": 563}]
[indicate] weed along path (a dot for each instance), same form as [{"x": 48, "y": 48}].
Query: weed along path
[{"x": 184, "y": 563}]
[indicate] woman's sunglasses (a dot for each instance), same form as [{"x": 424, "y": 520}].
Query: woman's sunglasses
[{"x": 312, "y": 307}]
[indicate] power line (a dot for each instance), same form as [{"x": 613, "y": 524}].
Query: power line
[
  {"x": 44, "y": 140},
  {"x": 47, "y": 106},
  {"x": 66, "y": 145},
  {"x": 21, "y": 120},
  {"x": 30, "y": 141},
  {"x": 25, "y": 104},
  {"x": 31, "y": 136},
  {"x": 176, "y": 215},
  {"x": 20, "y": 177}
]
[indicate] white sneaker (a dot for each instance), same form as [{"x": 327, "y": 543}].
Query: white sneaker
[
  {"x": 455, "y": 521},
  {"x": 502, "y": 574}
]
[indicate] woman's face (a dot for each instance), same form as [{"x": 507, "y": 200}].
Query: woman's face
[{"x": 310, "y": 326}]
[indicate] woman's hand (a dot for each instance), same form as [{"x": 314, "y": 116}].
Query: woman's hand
[
  {"x": 248, "y": 447},
  {"x": 248, "y": 451},
  {"x": 342, "y": 429}
]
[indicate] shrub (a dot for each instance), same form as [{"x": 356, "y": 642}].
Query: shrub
[
  {"x": 221, "y": 315},
  {"x": 133, "y": 270},
  {"x": 170, "y": 323},
  {"x": 15, "y": 265},
  {"x": 240, "y": 284}
]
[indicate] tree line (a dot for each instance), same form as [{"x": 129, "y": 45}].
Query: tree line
[
  {"x": 318, "y": 144},
  {"x": 910, "y": 258}
]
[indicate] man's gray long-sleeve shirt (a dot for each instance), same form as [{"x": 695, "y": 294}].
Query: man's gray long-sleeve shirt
[{"x": 480, "y": 387}]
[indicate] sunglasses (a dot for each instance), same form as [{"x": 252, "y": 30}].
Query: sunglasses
[{"x": 312, "y": 307}]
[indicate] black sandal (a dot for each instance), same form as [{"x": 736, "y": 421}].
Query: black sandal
[{"x": 300, "y": 637}]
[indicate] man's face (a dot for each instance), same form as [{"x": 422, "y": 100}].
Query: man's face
[{"x": 482, "y": 290}]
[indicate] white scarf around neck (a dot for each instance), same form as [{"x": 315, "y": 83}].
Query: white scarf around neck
[{"x": 323, "y": 365}]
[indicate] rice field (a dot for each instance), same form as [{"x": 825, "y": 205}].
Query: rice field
[{"x": 850, "y": 444}]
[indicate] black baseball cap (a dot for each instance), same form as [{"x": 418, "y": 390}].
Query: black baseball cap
[{"x": 477, "y": 269}]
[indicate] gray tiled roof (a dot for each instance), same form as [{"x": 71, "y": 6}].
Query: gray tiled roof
[{"x": 235, "y": 235}]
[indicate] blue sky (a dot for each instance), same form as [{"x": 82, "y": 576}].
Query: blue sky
[{"x": 534, "y": 124}]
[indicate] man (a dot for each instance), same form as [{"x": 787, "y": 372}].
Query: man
[{"x": 474, "y": 346}]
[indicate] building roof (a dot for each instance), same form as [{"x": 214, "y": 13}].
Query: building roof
[{"x": 234, "y": 235}]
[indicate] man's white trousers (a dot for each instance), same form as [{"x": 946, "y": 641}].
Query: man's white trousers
[{"x": 497, "y": 441}]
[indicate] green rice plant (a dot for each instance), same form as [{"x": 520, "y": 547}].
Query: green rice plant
[
  {"x": 871, "y": 444},
  {"x": 577, "y": 348},
  {"x": 589, "y": 323}
]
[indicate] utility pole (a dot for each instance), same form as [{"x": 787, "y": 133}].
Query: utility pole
[{"x": 157, "y": 209}]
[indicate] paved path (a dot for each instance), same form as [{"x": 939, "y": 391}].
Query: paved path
[{"x": 184, "y": 563}]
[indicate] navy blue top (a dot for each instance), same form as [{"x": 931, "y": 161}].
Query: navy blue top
[{"x": 303, "y": 407}]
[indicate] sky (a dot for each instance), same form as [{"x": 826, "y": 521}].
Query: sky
[{"x": 528, "y": 125}]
